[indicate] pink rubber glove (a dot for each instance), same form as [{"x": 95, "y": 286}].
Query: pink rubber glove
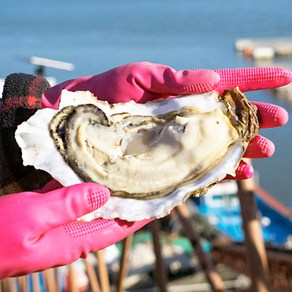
[
  {"x": 146, "y": 81},
  {"x": 40, "y": 231}
]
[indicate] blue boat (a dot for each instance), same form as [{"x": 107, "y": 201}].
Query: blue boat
[{"x": 221, "y": 207}]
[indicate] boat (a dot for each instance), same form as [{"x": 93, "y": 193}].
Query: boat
[
  {"x": 265, "y": 48},
  {"x": 221, "y": 207}
]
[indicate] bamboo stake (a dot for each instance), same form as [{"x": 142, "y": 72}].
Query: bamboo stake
[
  {"x": 255, "y": 248},
  {"x": 92, "y": 276},
  {"x": 12, "y": 285},
  {"x": 22, "y": 283},
  {"x": 50, "y": 280},
  {"x": 36, "y": 282},
  {"x": 72, "y": 278},
  {"x": 58, "y": 277},
  {"x": 5, "y": 285},
  {"x": 206, "y": 263},
  {"x": 161, "y": 276},
  {"x": 102, "y": 272},
  {"x": 124, "y": 263}
]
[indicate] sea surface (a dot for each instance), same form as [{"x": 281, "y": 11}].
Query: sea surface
[{"x": 98, "y": 35}]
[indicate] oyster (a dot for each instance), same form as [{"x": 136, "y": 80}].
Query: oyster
[{"x": 151, "y": 156}]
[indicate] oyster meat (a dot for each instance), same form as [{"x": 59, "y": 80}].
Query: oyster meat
[{"x": 151, "y": 156}]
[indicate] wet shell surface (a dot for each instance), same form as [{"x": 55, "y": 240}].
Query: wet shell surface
[{"x": 151, "y": 156}]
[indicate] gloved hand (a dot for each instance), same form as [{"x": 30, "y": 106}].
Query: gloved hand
[
  {"x": 143, "y": 81},
  {"x": 40, "y": 231}
]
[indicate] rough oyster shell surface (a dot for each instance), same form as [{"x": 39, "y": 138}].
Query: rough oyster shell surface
[{"x": 151, "y": 156}]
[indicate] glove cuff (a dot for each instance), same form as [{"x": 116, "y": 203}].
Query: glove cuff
[{"x": 22, "y": 95}]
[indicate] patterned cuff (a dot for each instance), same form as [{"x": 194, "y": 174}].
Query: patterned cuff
[{"x": 22, "y": 96}]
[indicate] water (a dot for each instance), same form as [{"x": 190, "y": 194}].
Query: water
[{"x": 99, "y": 35}]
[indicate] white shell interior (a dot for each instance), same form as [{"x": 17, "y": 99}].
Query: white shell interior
[{"x": 38, "y": 150}]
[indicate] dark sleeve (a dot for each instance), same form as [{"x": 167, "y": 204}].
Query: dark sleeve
[{"x": 22, "y": 95}]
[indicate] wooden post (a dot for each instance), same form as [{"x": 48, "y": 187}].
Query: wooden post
[
  {"x": 212, "y": 276},
  {"x": 50, "y": 280},
  {"x": 22, "y": 283},
  {"x": 255, "y": 248},
  {"x": 94, "y": 285},
  {"x": 124, "y": 263},
  {"x": 161, "y": 276},
  {"x": 36, "y": 282},
  {"x": 71, "y": 279},
  {"x": 8, "y": 285},
  {"x": 102, "y": 272}
]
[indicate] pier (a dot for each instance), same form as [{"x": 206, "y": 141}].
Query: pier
[{"x": 265, "y": 48}]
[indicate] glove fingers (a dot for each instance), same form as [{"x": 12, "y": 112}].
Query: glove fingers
[
  {"x": 81, "y": 238},
  {"x": 248, "y": 79},
  {"x": 67, "y": 204},
  {"x": 141, "y": 82},
  {"x": 145, "y": 81},
  {"x": 164, "y": 80},
  {"x": 271, "y": 115},
  {"x": 243, "y": 171},
  {"x": 260, "y": 147},
  {"x": 101, "y": 233}
]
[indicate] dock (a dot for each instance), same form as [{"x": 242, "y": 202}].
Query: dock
[{"x": 265, "y": 48}]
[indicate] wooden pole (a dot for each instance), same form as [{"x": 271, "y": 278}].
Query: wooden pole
[
  {"x": 206, "y": 263},
  {"x": 255, "y": 248},
  {"x": 8, "y": 285},
  {"x": 50, "y": 280},
  {"x": 72, "y": 278},
  {"x": 36, "y": 282},
  {"x": 124, "y": 263},
  {"x": 22, "y": 283},
  {"x": 94, "y": 285},
  {"x": 161, "y": 276},
  {"x": 5, "y": 286},
  {"x": 102, "y": 272}
]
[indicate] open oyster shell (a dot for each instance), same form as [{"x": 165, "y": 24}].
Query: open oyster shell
[{"x": 151, "y": 156}]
